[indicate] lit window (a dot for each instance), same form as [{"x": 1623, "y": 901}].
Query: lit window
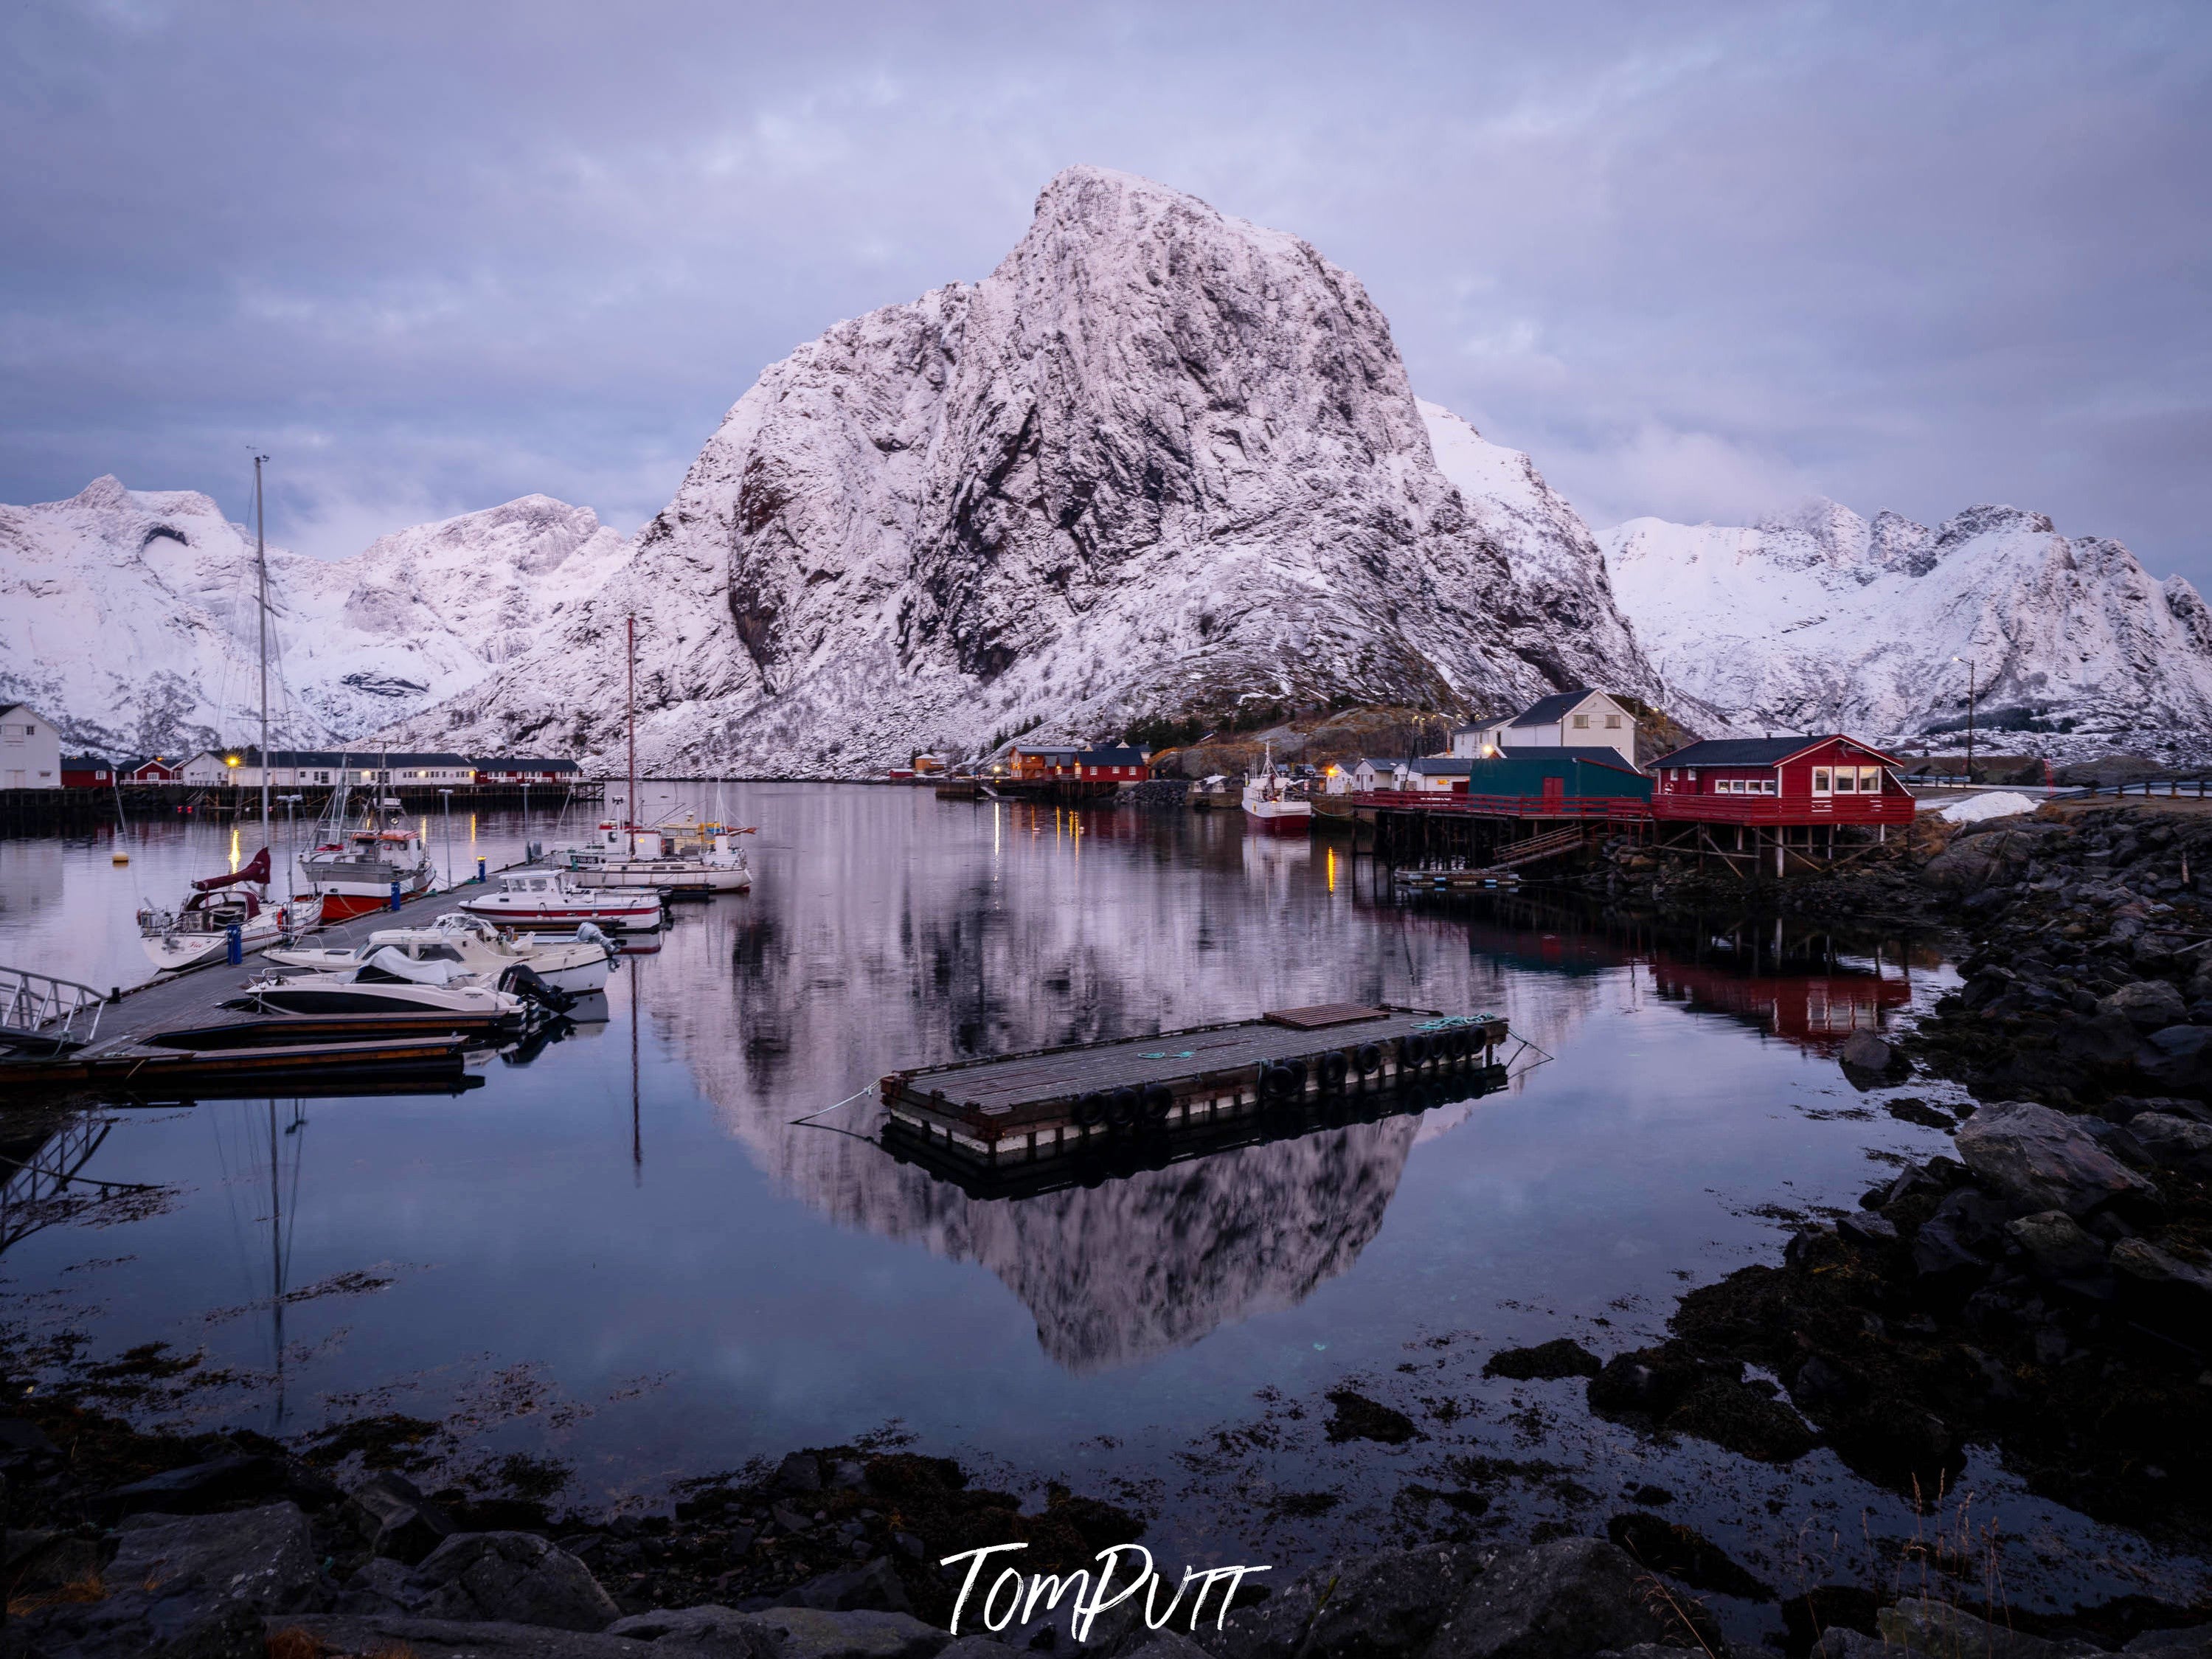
[
  {"x": 1846, "y": 780},
  {"x": 1870, "y": 780},
  {"x": 1820, "y": 775}
]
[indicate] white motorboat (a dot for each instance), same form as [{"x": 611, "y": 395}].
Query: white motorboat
[
  {"x": 680, "y": 856},
  {"x": 580, "y": 965},
  {"x": 389, "y": 982},
  {"x": 546, "y": 898},
  {"x": 356, "y": 869},
  {"x": 199, "y": 930}
]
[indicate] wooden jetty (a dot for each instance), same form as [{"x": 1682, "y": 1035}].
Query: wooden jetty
[
  {"x": 1049, "y": 1103},
  {"x": 172, "y": 1038}
]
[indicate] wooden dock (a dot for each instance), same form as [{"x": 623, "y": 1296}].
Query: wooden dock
[
  {"x": 1049, "y": 1103},
  {"x": 171, "y": 1038}
]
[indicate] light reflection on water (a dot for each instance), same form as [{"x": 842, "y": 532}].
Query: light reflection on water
[{"x": 685, "y": 1278}]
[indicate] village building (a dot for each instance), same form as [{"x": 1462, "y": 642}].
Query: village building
[
  {"x": 1760, "y": 803},
  {"x": 30, "y": 749},
  {"x": 1436, "y": 774},
  {"x": 153, "y": 769},
  {"x": 87, "y": 772},
  {"x": 1047, "y": 763},
  {"x": 518, "y": 771},
  {"x": 295, "y": 768},
  {"x": 1566, "y": 719}
]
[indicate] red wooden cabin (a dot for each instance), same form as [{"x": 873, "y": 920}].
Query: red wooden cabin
[{"x": 1780, "y": 781}]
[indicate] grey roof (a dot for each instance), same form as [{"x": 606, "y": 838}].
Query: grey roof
[
  {"x": 1439, "y": 766},
  {"x": 1381, "y": 764},
  {"x": 525, "y": 763},
  {"x": 1549, "y": 711},
  {"x": 79, "y": 762},
  {"x": 1740, "y": 751},
  {"x": 366, "y": 759}
]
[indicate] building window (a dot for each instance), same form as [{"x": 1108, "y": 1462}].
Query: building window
[
  {"x": 1870, "y": 780},
  {"x": 1612, "y": 722},
  {"x": 1820, "y": 775},
  {"x": 1847, "y": 780},
  {"x": 1582, "y": 722}
]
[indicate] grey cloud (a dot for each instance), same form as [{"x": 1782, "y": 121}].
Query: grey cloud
[{"x": 1697, "y": 258}]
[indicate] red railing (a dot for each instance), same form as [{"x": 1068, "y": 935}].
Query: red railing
[
  {"x": 1611, "y": 809},
  {"x": 1791, "y": 810}
]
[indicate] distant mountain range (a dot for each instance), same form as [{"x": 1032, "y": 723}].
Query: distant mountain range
[
  {"x": 1161, "y": 465},
  {"x": 1822, "y": 619},
  {"x": 128, "y": 616}
]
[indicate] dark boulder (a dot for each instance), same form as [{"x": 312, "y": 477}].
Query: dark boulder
[
  {"x": 2146, "y": 1004},
  {"x": 2056, "y": 1244},
  {"x": 516, "y": 1577},
  {"x": 1944, "y": 1631},
  {"x": 2178, "y": 1057},
  {"x": 1864, "y": 1052},
  {"x": 2043, "y": 1159},
  {"x": 394, "y": 1519},
  {"x": 1547, "y": 1362},
  {"x": 1353, "y": 1416},
  {"x": 190, "y": 1584},
  {"x": 2173, "y": 1142},
  {"x": 1368, "y": 1607},
  {"x": 1682, "y": 1552},
  {"x": 219, "y": 1483},
  {"x": 1563, "y": 1599},
  {"x": 798, "y": 1473},
  {"x": 813, "y": 1633},
  {"x": 874, "y": 1587}
]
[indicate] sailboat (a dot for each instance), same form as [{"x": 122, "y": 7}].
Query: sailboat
[{"x": 199, "y": 929}]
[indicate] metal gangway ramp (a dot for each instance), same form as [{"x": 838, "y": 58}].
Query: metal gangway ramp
[{"x": 39, "y": 1014}]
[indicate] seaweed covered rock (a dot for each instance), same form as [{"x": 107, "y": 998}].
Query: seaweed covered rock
[{"x": 1562, "y": 1600}]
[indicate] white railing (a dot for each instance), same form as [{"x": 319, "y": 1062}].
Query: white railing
[{"x": 38, "y": 1010}]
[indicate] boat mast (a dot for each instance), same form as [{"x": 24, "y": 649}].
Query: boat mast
[
  {"x": 629, "y": 654},
  {"x": 261, "y": 566}
]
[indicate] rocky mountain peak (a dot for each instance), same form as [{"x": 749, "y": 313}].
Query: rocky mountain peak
[{"x": 1160, "y": 463}]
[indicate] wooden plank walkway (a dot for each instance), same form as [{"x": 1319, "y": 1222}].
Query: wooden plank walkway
[{"x": 1046, "y": 1103}]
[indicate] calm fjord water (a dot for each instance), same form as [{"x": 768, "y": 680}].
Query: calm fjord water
[{"x": 624, "y": 1254}]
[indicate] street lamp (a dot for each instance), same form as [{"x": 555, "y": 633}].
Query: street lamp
[
  {"x": 1969, "y": 661},
  {"x": 448, "y": 804}
]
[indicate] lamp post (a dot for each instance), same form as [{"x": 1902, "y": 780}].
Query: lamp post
[
  {"x": 1971, "y": 690},
  {"x": 447, "y": 802}
]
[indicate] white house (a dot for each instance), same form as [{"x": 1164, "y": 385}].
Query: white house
[
  {"x": 1436, "y": 774},
  {"x": 1369, "y": 773},
  {"x": 30, "y": 749},
  {"x": 293, "y": 768},
  {"x": 1566, "y": 719}
]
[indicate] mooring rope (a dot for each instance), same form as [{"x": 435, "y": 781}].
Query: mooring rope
[{"x": 826, "y": 1110}]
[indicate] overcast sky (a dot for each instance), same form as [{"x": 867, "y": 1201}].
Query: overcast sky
[{"x": 1700, "y": 261}]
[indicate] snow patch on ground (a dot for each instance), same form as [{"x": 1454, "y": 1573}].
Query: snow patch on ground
[{"x": 1999, "y": 803}]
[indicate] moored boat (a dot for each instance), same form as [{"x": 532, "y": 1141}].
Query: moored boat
[
  {"x": 1274, "y": 802},
  {"x": 387, "y": 983},
  {"x": 356, "y": 869},
  {"x": 199, "y": 930},
  {"x": 678, "y": 855},
  {"x": 546, "y": 898},
  {"x": 580, "y": 965}
]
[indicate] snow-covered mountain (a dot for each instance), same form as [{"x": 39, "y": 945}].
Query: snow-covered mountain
[
  {"x": 1160, "y": 462},
  {"x": 1820, "y": 618},
  {"x": 128, "y": 617}
]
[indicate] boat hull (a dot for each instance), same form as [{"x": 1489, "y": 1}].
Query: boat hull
[
  {"x": 173, "y": 952},
  {"x": 375, "y": 1000},
  {"x": 648, "y": 877},
  {"x": 628, "y": 914}
]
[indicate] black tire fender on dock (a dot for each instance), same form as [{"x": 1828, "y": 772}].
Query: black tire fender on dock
[
  {"x": 1414, "y": 1049},
  {"x": 1335, "y": 1067},
  {"x": 1455, "y": 1043},
  {"x": 1159, "y": 1101},
  {"x": 1121, "y": 1106},
  {"x": 1367, "y": 1059},
  {"x": 1091, "y": 1109},
  {"x": 1283, "y": 1082}
]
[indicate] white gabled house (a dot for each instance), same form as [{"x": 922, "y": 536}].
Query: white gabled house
[
  {"x": 30, "y": 749},
  {"x": 1566, "y": 719}
]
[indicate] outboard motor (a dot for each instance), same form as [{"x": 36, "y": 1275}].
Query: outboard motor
[
  {"x": 589, "y": 933},
  {"x": 524, "y": 981}
]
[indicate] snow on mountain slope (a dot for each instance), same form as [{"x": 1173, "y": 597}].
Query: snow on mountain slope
[
  {"x": 1820, "y": 618},
  {"x": 1160, "y": 462},
  {"x": 128, "y": 617}
]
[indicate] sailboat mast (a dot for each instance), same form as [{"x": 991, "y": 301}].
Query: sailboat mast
[
  {"x": 629, "y": 654},
  {"x": 261, "y": 566}
]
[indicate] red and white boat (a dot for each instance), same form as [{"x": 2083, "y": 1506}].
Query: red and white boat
[
  {"x": 354, "y": 870},
  {"x": 545, "y": 898},
  {"x": 199, "y": 930}
]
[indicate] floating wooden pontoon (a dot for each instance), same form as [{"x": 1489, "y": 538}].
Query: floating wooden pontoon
[{"x": 1051, "y": 1103}]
